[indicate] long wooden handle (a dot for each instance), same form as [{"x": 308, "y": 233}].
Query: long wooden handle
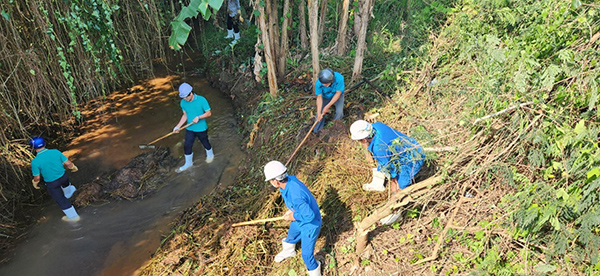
[
  {"x": 169, "y": 134},
  {"x": 301, "y": 143},
  {"x": 256, "y": 221}
]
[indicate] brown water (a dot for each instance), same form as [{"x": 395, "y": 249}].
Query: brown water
[{"x": 118, "y": 237}]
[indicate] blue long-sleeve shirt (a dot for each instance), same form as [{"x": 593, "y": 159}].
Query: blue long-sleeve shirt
[
  {"x": 393, "y": 149},
  {"x": 300, "y": 200}
]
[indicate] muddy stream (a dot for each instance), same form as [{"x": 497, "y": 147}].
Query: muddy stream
[{"x": 119, "y": 236}]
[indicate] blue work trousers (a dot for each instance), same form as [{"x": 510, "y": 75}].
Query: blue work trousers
[
  {"x": 55, "y": 191},
  {"x": 408, "y": 172},
  {"x": 339, "y": 112},
  {"x": 307, "y": 235},
  {"x": 190, "y": 136}
]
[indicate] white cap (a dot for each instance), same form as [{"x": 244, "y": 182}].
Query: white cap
[
  {"x": 274, "y": 169},
  {"x": 360, "y": 129},
  {"x": 184, "y": 90}
]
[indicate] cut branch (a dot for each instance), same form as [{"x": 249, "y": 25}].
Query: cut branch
[{"x": 402, "y": 198}]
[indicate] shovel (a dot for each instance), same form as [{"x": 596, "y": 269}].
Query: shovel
[{"x": 151, "y": 146}]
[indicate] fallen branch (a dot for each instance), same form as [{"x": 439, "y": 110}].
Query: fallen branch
[
  {"x": 442, "y": 149},
  {"x": 502, "y": 111},
  {"x": 442, "y": 237},
  {"x": 402, "y": 198}
]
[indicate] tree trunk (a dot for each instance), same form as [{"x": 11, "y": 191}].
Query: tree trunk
[
  {"x": 302, "y": 15},
  {"x": 322, "y": 20},
  {"x": 343, "y": 29},
  {"x": 267, "y": 50},
  {"x": 313, "y": 17},
  {"x": 271, "y": 9},
  {"x": 283, "y": 51},
  {"x": 361, "y": 44}
]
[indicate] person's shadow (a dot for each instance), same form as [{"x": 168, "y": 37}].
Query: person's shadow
[{"x": 337, "y": 218}]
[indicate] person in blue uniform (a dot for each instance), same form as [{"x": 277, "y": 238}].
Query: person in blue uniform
[
  {"x": 303, "y": 213},
  {"x": 195, "y": 110},
  {"x": 49, "y": 165},
  {"x": 398, "y": 156},
  {"x": 329, "y": 89}
]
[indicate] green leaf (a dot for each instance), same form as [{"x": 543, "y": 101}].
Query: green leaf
[
  {"x": 479, "y": 234},
  {"x": 32, "y": 72},
  {"x": 545, "y": 268},
  {"x": 292, "y": 272},
  {"x": 215, "y": 4},
  {"x": 580, "y": 127},
  {"x": 593, "y": 173},
  {"x": 575, "y": 4},
  {"x": 555, "y": 223},
  {"x": 207, "y": 15},
  {"x": 179, "y": 34},
  {"x": 549, "y": 76},
  {"x": 561, "y": 193},
  {"x": 5, "y": 15},
  {"x": 256, "y": 13},
  {"x": 203, "y": 8}
]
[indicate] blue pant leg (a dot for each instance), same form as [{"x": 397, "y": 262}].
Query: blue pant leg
[
  {"x": 203, "y": 137},
  {"x": 408, "y": 172},
  {"x": 293, "y": 236},
  {"x": 56, "y": 192},
  {"x": 339, "y": 107},
  {"x": 321, "y": 123},
  {"x": 190, "y": 136},
  {"x": 310, "y": 233}
]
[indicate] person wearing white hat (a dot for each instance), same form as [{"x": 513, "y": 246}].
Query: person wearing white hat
[
  {"x": 399, "y": 157},
  {"x": 195, "y": 110},
  {"x": 303, "y": 213}
]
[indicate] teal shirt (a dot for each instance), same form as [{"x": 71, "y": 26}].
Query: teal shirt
[
  {"x": 198, "y": 106},
  {"x": 49, "y": 163}
]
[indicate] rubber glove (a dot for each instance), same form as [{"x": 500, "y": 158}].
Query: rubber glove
[
  {"x": 176, "y": 129},
  {"x": 35, "y": 184},
  {"x": 74, "y": 168}
]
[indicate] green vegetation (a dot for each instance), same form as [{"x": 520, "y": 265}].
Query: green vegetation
[{"x": 513, "y": 85}]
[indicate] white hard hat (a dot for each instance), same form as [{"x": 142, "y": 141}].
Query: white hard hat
[
  {"x": 274, "y": 169},
  {"x": 360, "y": 129}
]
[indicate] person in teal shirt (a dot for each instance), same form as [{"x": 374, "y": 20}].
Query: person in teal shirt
[
  {"x": 195, "y": 111},
  {"x": 303, "y": 213},
  {"x": 329, "y": 89},
  {"x": 49, "y": 164}
]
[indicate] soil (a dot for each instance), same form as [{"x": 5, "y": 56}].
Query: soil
[{"x": 142, "y": 176}]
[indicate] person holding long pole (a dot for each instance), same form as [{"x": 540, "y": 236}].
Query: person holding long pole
[{"x": 303, "y": 213}]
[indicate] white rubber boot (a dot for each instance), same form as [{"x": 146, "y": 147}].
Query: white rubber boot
[
  {"x": 377, "y": 183},
  {"x": 69, "y": 190},
  {"x": 288, "y": 251},
  {"x": 316, "y": 271},
  {"x": 229, "y": 34},
  {"x": 188, "y": 162},
  {"x": 236, "y": 37},
  {"x": 71, "y": 214},
  {"x": 209, "y": 155}
]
